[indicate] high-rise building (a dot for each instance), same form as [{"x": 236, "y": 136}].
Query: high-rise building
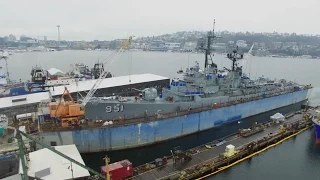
[{"x": 45, "y": 38}]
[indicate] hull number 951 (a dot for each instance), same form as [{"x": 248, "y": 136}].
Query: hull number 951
[{"x": 115, "y": 108}]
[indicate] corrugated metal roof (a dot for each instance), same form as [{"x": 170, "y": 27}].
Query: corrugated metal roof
[
  {"x": 60, "y": 168},
  {"x": 7, "y": 102},
  {"x": 108, "y": 82}
]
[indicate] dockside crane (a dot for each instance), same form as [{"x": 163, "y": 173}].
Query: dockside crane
[
  {"x": 68, "y": 112},
  {"x": 107, "y": 63},
  {"x": 4, "y": 56}
]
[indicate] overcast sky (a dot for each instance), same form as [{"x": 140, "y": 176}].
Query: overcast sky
[{"x": 110, "y": 19}]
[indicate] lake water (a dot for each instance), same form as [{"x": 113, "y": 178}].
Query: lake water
[{"x": 298, "y": 158}]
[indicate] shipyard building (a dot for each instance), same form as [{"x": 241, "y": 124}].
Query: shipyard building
[{"x": 122, "y": 86}]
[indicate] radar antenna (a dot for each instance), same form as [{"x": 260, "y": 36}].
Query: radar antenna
[{"x": 234, "y": 57}]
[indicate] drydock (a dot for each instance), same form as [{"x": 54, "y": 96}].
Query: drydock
[{"x": 209, "y": 159}]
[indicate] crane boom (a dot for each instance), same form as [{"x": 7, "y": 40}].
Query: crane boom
[
  {"x": 65, "y": 93},
  {"x": 112, "y": 58}
]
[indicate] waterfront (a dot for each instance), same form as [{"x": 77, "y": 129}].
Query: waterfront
[
  {"x": 167, "y": 64},
  {"x": 295, "y": 159}
]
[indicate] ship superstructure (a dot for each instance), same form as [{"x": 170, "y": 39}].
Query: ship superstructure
[{"x": 194, "y": 89}]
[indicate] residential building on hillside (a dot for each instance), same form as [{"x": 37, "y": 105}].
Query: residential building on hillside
[
  {"x": 241, "y": 43},
  {"x": 190, "y": 46},
  {"x": 172, "y": 46}
]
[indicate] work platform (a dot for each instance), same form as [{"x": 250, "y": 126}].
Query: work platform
[{"x": 204, "y": 154}]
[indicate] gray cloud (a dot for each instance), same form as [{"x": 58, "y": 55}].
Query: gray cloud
[{"x": 109, "y": 19}]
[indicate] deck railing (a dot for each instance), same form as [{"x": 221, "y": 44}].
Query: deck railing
[{"x": 155, "y": 117}]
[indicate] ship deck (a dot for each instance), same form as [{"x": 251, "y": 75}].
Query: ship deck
[
  {"x": 99, "y": 124},
  {"x": 204, "y": 154}
]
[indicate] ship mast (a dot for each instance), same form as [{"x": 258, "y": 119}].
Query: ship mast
[
  {"x": 234, "y": 57},
  {"x": 210, "y": 37}
]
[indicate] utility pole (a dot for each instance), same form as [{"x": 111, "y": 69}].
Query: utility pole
[{"x": 58, "y": 26}]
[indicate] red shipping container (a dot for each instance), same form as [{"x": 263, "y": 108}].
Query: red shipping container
[{"x": 118, "y": 170}]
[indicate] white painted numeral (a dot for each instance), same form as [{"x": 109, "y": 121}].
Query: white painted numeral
[
  {"x": 108, "y": 109},
  {"x": 115, "y": 108}
]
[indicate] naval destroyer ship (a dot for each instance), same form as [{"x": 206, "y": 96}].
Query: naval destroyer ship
[{"x": 200, "y": 99}]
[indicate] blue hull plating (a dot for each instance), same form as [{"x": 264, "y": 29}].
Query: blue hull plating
[
  {"x": 10, "y": 156},
  {"x": 317, "y": 131},
  {"x": 104, "y": 139}
]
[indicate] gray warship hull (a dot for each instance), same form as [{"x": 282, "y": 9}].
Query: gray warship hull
[
  {"x": 146, "y": 133},
  {"x": 114, "y": 110}
]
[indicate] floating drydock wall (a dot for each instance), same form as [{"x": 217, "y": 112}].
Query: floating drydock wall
[{"x": 129, "y": 136}]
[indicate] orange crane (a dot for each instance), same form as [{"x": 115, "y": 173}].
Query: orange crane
[{"x": 69, "y": 112}]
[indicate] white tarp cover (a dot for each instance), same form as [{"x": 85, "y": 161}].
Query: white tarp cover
[
  {"x": 55, "y": 72},
  {"x": 278, "y": 117},
  {"x": 56, "y": 167}
]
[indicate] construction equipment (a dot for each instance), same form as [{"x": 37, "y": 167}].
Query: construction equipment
[
  {"x": 250, "y": 147},
  {"x": 107, "y": 63},
  {"x": 179, "y": 155},
  {"x": 68, "y": 112},
  {"x": 161, "y": 161},
  {"x": 254, "y": 129}
]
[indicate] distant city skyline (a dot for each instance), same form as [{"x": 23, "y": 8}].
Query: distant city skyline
[
  {"x": 107, "y": 20},
  {"x": 265, "y": 44},
  {"x": 56, "y": 38}
]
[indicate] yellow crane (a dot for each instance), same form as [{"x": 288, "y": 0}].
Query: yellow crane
[
  {"x": 126, "y": 43},
  {"x": 110, "y": 59}
]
